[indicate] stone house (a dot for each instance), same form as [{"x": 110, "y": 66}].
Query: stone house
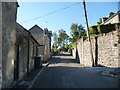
[
  {"x": 0, "y": 44},
  {"x": 115, "y": 18},
  {"x": 49, "y": 34},
  {"x": 17, "y": 49},
  {"x": 26, "y": 50},
  {"x": 37, "y": 33},
  {"x": 8, "y": 31},
  {"x": 44, "y": 39}
]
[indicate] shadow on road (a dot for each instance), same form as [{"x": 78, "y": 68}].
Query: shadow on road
[
  {"x": 63, "y": 58},
  {"x": 71, "y": 77}
]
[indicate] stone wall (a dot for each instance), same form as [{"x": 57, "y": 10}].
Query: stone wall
[
  {"x": 108, "y": 50},
  {"x": 0, "y": 44},
  {"x": 105, "y": 49},
  {"x": 22, "y": 42},
  {"x": 74, "y": 53},
  {"x": 41, "y": 50},
  {"x": 28, "y": 50},
  {"x": 38, "y": 34},
  {"x": 44, "y": 39},
  {"x": 9, "y": 13},
  {"x": 47, "y": 48},
  {"x": 119, "y": 45},
  {"x": 32, "y": 53}
]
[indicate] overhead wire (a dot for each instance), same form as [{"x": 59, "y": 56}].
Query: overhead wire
[{"x": 51, "y": 13}]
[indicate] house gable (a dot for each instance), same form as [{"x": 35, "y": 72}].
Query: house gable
[
  {"x": 114, "y": 18},
  {"x": 38, "y": 34}
]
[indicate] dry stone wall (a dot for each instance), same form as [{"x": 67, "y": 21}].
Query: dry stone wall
[
  {"x": 105, "y": 48},
  {"x": 0, "y": 44},
  {"x": 108, "y": 49}
]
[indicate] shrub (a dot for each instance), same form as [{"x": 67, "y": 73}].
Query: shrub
[
  {"x": 94, "y": 30},
  {"x": 117, "y": 24},
  {"x": 103, "y": 28},
  {"x": 111, "y": 27}
]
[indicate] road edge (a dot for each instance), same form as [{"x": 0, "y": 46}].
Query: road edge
[{"x": 33, "y": 81}]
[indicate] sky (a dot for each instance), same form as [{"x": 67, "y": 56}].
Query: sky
[{"x": 64, "y": 18}]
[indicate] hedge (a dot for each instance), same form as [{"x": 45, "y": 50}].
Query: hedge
[{"x": 103, "y": 28}]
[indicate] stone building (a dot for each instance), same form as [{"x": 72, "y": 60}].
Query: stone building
[
  {"x": 0, "y": 44},
  {"x": 9, "y": 14},
  {"x": 49, "y": 34},
  {"x": 44, "y": 39},
  {"x": 17, "y": 49},
  {"x": 105, "y": 48},
  {"x": 38, "y": 34},
  {"x": 115, "y": 18},
  {"x": 26, "y": 50}
]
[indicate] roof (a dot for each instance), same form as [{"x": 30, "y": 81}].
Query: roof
[
  {"x": 113, "y": 16},
  {"x": 33, "y": 38},
  {"x": 34, "y": 27},
  {"x": 28, "y": 32},
  {"x": 21, "y": 27}
]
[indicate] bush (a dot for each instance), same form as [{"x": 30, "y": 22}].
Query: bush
[
  {"x": 111, "y": 27},
  {"x": 106, "y": 28},
  {"x": 116, "y": 24},
  {"x": 94, "y": 30},
  {"x": 103, "y": 28}
]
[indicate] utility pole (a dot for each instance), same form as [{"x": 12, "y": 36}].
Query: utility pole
[{"x": 88, "y": 32}]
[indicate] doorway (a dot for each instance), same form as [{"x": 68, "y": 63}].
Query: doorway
[{"x": 16, "y": 64}]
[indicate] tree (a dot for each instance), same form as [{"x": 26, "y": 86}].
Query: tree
[
  {"x": 111, "y": 13},
  {"x": 77, "y": 31},
  {"x": 63, "y": 37},
  {"x": 55, "y": 39},
  {"x": 100, "y": 21}
]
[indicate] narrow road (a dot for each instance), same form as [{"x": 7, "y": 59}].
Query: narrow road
[{"x": 64, "y": 72}]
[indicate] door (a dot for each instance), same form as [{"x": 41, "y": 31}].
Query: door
[{"x": 16, "y": 64}]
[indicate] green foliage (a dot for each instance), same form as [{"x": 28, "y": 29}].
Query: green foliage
[
  {"x": 111, "y": 14},
  {"x": 74, "y": 27},
  {"x": 94, "y": 30},
  {"x": 97, "y": 29},
  {"x": 106, "y": 28},
  {"x": 103, "y": 28},
  {"x": 73, "y": 46},
  {"x": 100, "y": 21},
  {"x": 63, "y": 37},
  {"x": 118, "y": 24},
  {"x": 77, "y": 31},
  {"x": 55, "y": 39},
  {"x": 55, "y": 50}
]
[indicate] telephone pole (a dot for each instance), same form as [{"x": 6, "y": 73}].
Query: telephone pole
[{"x": 88, "y": 32}]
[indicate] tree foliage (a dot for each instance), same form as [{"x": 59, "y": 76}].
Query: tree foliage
[
  {"x": 55, "y": 39},
  {"x": 100, "y": 21},
  {"x": 111, "y": 13},
  {"x": 63, "y": 37},
  {"x": 77, "y": 31}
]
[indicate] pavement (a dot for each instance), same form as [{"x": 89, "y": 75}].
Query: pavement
[
  {"x": 28, "y": 80},
  {"x": 62, "y": 71}
]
